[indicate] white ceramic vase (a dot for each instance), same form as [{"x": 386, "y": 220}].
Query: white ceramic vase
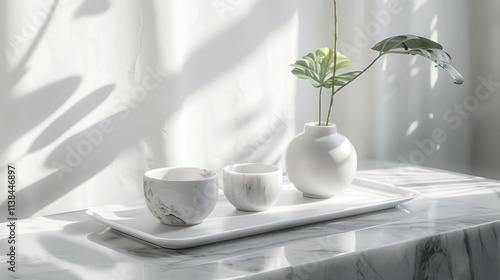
[{"x": 320, "y": 162}]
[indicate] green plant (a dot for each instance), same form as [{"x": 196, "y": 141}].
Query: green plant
[{"x": 320, "y": 68}]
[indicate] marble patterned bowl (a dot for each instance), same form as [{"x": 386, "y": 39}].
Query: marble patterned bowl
[
  {"x": 252, "y": 186},
  {"x": 181, "y": 196}
]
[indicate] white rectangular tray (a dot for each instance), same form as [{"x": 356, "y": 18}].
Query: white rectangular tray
[{"x": 225, "y": 222}]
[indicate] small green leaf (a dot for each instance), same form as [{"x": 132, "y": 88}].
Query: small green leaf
[
  {"x": 348, "y": 76},
  {"x": 318, "y": 67},
  {"x": 300, "y": 74},
  {"x": 344, "y": 64},
  {"x": 301, "y": 63},
  {"x": 322, "y": 52},
  {"x": 339, "y": 83},
  {"x": 315, "y": 84}
]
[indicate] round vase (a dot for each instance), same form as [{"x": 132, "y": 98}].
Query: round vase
[{"x": 320, "y": 162}]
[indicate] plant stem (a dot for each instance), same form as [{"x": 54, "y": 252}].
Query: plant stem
[
  {"x": 335, "y": 38},
  {"x": 360, "y": 73},
  {"x": 319, "y": 118}
]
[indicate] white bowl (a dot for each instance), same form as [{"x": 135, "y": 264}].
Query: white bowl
[
  {"x": 180, "y": 196},
  {"x": 252, "y": 186}
]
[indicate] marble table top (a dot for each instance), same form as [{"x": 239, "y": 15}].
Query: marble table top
[{"x": 451, "y": 232}]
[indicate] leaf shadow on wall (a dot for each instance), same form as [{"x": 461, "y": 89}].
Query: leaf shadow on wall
[
  {"x": 221, "y": 54},
  {"x": 51, "y": 96},
  {"x": 92, "y": 7},
  {"x": 71, "y": 116},
  {"x": 32, "y": 108},
  {"x": 40, "y": 103},
  {"x": 86, "y": 153}
]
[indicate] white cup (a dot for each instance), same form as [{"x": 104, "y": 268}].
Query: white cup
[
  {"x": 252, "y": 186},
  {"x": 181, "y": 196}
]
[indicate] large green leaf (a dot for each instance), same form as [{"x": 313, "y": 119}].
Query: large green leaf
[
  {"x": 442, "y": 59},
  {"x": 459, "y": 79},
  {"x": 405, "y": 42},
  {"x": 415, "y": 45},
  {"x": 318, "y": 67},
  {"x": 436, "y": 55}
]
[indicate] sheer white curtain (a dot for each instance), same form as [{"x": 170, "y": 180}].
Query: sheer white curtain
[
  {"x": 400, "y": 109},
  {"x": 404, "y": 109},
  {"x": 94, "y": 93},
  {"x": 465, "y": 115}
]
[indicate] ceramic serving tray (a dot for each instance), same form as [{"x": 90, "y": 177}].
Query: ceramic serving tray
[{"x": 225, "y": 222}]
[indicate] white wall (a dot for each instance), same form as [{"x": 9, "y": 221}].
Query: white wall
[
  {"x": 104, "y": 90},
  {"x": 96, "y": 92}
]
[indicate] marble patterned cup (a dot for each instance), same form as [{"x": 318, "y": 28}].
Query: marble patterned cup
[
  {"x": 181, "y": 196},
  {"x": 252, "y": 186}
]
